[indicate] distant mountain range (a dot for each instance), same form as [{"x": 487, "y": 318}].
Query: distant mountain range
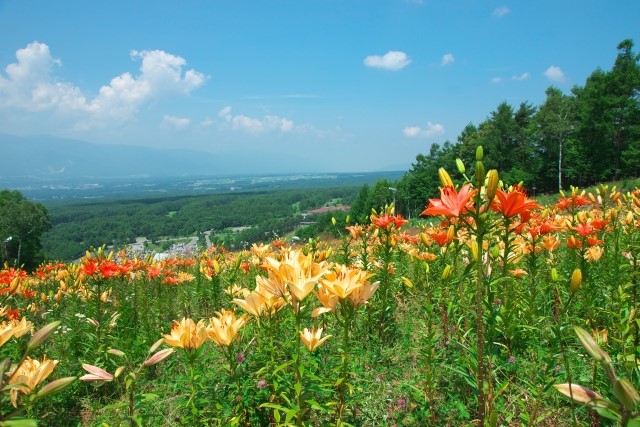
[{"x": 47, "y": 158}]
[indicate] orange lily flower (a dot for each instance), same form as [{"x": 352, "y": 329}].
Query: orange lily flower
[
  {"x": 513, "y": 203},
  {"x": 451, "y": 202}
]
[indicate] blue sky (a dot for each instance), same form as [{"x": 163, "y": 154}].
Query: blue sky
[{"x": 337, "y": 85}]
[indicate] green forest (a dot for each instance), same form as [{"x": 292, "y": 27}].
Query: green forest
[{"x": 588, "y": 136}]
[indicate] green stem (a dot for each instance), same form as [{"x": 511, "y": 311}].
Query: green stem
[
  {"x": 192, "y": 398},
  {"x": 297, "y": 373},
  {"x": 480, "y": 377},
  {"x": 346, "y": 349}
]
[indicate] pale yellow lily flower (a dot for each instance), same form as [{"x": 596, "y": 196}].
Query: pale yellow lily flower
[
  {"x": 362, "y": 294},
  {"x": 187, "y": 334},
  {"x": 311, "y": 338},
  {"x": 298, "y": 272},
  {"x": 343, "y": 280},
  {"x": 28, "y": 375},
  {"x": 327, "y": 298},
  {"x": 224, "y": 328},
  {"x": 272, "y": 302},
  {"x": 252, "y": 303},
  {"x": 14, "y": 328},
  {"x": 272, "y": 285}
]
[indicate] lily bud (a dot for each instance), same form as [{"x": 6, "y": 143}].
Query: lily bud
[
  {"x": 446, "y": 272},
  {"x": 479, "y": 153},
  {"x": 576, "y": 280},
  {"x": 445, "y": 179},
  {"x": 347, "y": 219},
  {"x": 158, "y": 357},
  {"x": 626, "y": 394},
  {"x": 424, "y": 238},
  {"x": 451, "y": 233},
  {"x": 407, "y": 282},
  {"x": 591, "y": 346},
  {"x": 41, "y": 336},
  {"x": 333, "y": 220},
  {"x": 554, "y": 274},
  {"x": 460, "y": 166},
  {"x": 118, "y": 371},
  {"x": 480, "y": 172},
  {"x": 495, "y": 252},
  {"x": 474, "y": 249},
  {"x": 55, "y": 386},
  {"x": 492, "y": 184}
]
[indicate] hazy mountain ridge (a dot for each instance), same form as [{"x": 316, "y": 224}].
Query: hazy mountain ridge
[{"x": 51, "y": 158}]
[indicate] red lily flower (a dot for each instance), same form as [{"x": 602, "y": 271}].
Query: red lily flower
[
  {"x": 441, "y": 237},
  {"x": 592, "y": 241},
  {"x": 574, "y": 201},
  {"x": 574, "y": 243},
  {"x": 599, "y": 224},
  {"x": 584, "y": 229},
  {"x": 451, "y": 203}
]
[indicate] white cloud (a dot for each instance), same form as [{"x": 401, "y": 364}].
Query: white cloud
[
  {"x": 175, "y": 122},
  {"x": 501, "y": 11},
  {"x": 447, "y": 59},
  {"x": 392, "y": 60},
  {"x": 206, "y": 122},
  {"x": 523, "y": 76},
  {"x": 555, "y": 74},
  {"x": 31, "y": 85},
  {"x": 496, "y": 80},
  {"x": 244, "y": 123},
  {"x": 432, "y": 129}
]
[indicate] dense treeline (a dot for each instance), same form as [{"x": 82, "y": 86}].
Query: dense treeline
[
  {"x": 589, "y": 136},
  {"x": 22, "y": 223},
  {"x": 78, "y": 226}
]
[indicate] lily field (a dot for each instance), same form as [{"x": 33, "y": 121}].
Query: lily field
[{"x": 491, "y": 309}]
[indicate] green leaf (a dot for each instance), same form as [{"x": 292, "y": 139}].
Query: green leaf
[
  {"x": 19, "y": 423},
  {"x": 634, "y": 422},
  {"x": 314, "y": 405},
  {"x": 118, "y": 405},
  {"x": 608, "y": 413}
]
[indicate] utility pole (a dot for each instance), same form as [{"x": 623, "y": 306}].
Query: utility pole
[{"x": 393, "y": 190}]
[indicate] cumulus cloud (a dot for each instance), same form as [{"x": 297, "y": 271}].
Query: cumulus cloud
[
  {"x": 555, "y": 74},
  {"x": 432, "y": 129},
  {"x": 253, "y": 125},
  {"x": 30, "y": 84},
  {"x": 501, "y": 11},
  {"x": 392, "y": 60},
  {"x": 523, "y": 76},
  {"x": 175, "y": 122},
  {"x": 447, "y": 59}
]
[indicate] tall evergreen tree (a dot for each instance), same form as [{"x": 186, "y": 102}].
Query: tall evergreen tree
[{"x": 552, "y": 125}]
